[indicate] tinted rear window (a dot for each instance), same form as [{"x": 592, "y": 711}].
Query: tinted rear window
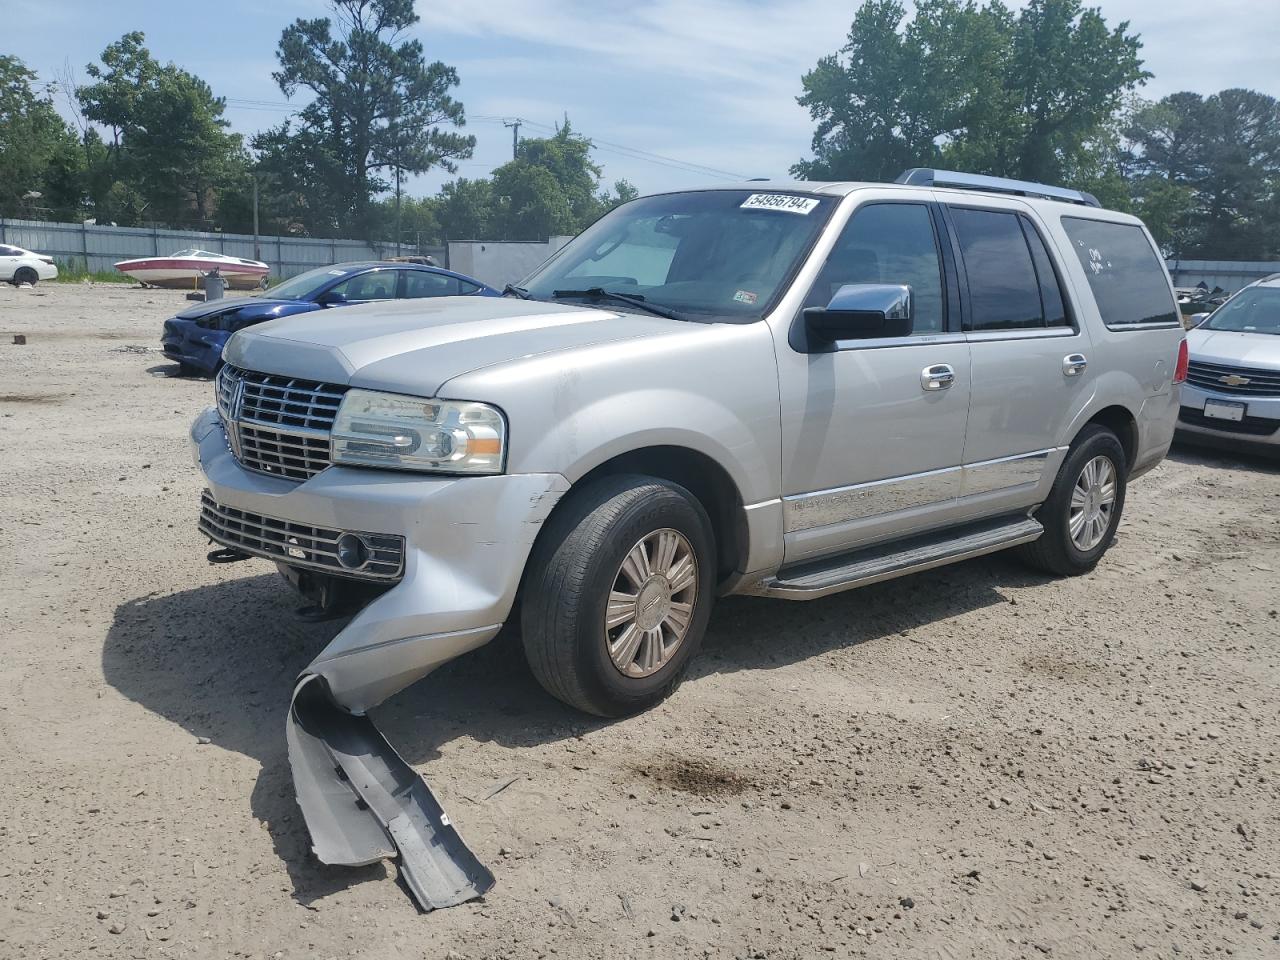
[{"x": 1126, "y": 276}]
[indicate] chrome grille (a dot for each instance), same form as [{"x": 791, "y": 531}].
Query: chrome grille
[
  {"x": 298, "y": 544},
  {"x": 289, "y": 403},
  {"x": 225, "y": 386},
  {"x": 1209, "y": 376},
  {"x": 292, "y": 455},
  {"x": 278, "y": 425}
]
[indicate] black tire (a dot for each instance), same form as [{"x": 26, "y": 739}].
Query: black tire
[
  {"x": 188, "y": 370},
  {"x": 25, "y": 275},
  {"x": 1055, "y": 552},
  {"x": 568, "y": 581}
]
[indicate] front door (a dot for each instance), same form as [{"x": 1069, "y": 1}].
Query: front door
[{"x": 872, "y": 435}]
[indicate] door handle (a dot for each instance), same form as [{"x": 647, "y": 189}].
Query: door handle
[
  {"x": 938, "y": 376},
  {"x": 1073, "y": 364}
]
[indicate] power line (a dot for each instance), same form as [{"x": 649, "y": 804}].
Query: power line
[
  {"x": 633, "y": 153},
  {"x": 607, "y": 146}
]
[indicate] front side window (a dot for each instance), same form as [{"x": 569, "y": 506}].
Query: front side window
[
  {"x": 710, "y": 255},
  {"x": 305, "y": 285},
  {"x": 1128, "y": 280},
  {"x": 887, "y": 243},
  {"x": 1252, "y": 310},
  {"x": 1004, "y": 291},
  {"x": 375, "y": 285}
]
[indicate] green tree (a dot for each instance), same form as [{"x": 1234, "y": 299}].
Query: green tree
[
  {"x": 376, "y": 106},
  {"x": 38, "y": 151},
  {"x": 464, "y": 209},
  {"x": 1207, "y": 173},
  {"x": 1239, "y": 188},
  {"x": 971, "y": 86},
  {"x": 168, "y": 139},
  {"x": 551, "y": 188}
]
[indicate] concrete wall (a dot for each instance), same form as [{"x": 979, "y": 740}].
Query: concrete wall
[
  {"x": 498, "y": 263},
  {"x": 99, "y": 246}
]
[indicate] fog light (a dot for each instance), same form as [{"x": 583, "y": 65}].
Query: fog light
[{"x": 353, "y": 552}]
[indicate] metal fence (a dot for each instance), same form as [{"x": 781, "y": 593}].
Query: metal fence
[
  {"x": 97, "y": 246},
  {"x": 1230, "y": 275}
]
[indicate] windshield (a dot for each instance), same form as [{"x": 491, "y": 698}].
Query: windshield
[
  {"x": 1253, "y": 310},
  {"x": 710, "y": 256},
  {"x": 304, "y": 285}
]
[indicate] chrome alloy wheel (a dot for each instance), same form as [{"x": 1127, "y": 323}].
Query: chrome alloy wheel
[
  {"x": 1093, "y": 498},
  {"x": 651, "y": 603}
]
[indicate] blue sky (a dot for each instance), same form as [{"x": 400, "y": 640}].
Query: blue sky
[{"x": 709, "y": 84}]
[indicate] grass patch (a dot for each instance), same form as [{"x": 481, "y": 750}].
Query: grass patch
[{"x": 73, "y": 272}]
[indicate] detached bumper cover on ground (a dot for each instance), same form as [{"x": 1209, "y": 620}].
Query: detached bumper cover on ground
[
  {"x": 465, "y": 545},
  {"x": 363, "y": 803}
]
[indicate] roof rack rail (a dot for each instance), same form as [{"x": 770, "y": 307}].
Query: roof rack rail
[{"x": 926, "y": 177}]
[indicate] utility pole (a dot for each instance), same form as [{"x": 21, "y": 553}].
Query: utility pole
[
  {"x": 515, "y": 135},
  {"x": 257, "y": 247},
  {"x": 397, "y": 204}
]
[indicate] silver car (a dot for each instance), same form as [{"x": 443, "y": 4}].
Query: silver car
[
  {"x": 1232, "y": 394},
  {"x": 776, "y": 389}
]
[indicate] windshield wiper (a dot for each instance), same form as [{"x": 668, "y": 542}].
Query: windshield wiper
[
  {"x": 520, "y": 292},
  {"x": 634, "y": 299}
]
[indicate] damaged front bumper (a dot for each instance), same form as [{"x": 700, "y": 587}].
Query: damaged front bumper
[{"x": 465, "y": 543}]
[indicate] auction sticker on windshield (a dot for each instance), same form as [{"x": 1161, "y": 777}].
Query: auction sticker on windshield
[{"x": 780, "y": 201}]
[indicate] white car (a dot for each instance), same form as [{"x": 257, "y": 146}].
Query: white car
[
  {"x": 1232, "y": 394},
  {"x": 19, "y": 266}
]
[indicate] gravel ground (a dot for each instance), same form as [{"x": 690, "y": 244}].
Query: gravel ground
[{"x": 973, "y": 762}]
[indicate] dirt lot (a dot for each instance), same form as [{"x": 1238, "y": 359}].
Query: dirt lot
[{"x": 974, "y": 762}]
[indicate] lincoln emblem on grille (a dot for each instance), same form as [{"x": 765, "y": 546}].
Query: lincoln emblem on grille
[{"x": 1234, "y": 380}]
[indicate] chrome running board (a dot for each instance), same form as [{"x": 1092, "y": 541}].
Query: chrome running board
[
  {"x": 363, "y": 803},
  {"x": 820, "y": 578}
]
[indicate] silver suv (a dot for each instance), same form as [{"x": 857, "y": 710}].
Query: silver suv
[{"x": 777, "y": 389}]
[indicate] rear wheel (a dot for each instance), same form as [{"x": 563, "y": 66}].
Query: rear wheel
[
  {"x": 25, "y": 275},
  {"x": 618, "y": 594},
  {"x": 1082, "y": 511}
]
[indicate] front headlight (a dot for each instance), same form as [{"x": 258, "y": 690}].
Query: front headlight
[{"x": 409, "y": 433}]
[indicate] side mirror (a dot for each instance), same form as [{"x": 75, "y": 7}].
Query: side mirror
[
  {"x": 1198, "y": 318},
  {"x": 331, "y": 298},
  {"x": 862, "y": 311}
]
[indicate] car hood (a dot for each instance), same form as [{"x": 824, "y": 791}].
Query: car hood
[
  {"x": 415, "y": 346},
  {"x": 260, "y": 305},
  {"x": 1260, "y": 350}
]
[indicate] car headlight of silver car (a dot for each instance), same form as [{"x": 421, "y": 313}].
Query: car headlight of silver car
[{"x": 374, "y": 429}]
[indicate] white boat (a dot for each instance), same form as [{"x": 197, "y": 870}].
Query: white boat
[{"x": 183, "y": 270}]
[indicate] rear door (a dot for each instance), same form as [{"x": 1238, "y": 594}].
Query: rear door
[
  {"x": 1029, "y": 355},
  {"x": 419, "y": 284}
]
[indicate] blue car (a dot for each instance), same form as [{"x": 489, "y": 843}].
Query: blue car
[{"x": 195, "y": 337}]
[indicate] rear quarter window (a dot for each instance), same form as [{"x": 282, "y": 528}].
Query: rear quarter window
[{"x": 1125, "y": 274}]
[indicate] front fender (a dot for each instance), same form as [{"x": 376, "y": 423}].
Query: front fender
[{"x": 708, "y": 387}]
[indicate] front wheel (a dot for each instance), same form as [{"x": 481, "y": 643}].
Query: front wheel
[
  {"x": 1082, "y": 511},
  {"x": 618, "y": 594}
]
